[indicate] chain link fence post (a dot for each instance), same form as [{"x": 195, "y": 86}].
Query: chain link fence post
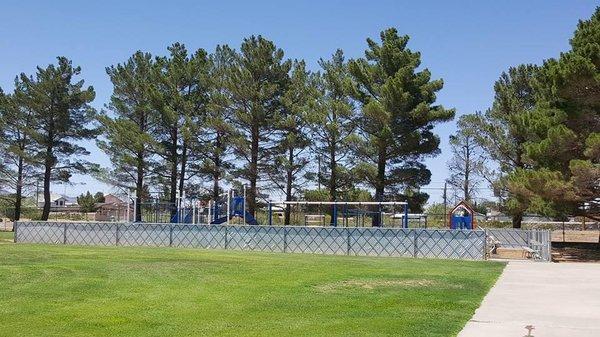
[
  {"x": 485, "y": 244},
  {"x": 348, "y": 244},
  {"x": 285, "y": 234},
  {"x": 415, "y": 243},
  {"x": 65, "y": 233},
  {"x": 117, "y": 235},
  {"x": 226, "y": 237}
]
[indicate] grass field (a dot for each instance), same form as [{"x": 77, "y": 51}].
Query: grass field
[
  {"x": 87, "y": 291},
  {"x": 6, "y": 237}
]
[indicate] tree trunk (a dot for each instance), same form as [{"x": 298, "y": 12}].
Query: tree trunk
[
  {"x": 217, "y": 168},
  {"x": 333, "y": 179},
  {"x": 466, "y": 192},
  {"x": 183, "y": 167},
  {"x": 139, "y": 187},
  {"x": 48, "y": 163},
  {"x": 517, "y": 219},
  {"x": 19, "y": 190},
  {"x": 253, "y": 174},
  {"x": 173, "y": 178},
  {"x": 379, "y": 187},
  {"x": 288, "y": 186}
]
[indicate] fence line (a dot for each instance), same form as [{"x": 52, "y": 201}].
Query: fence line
[{"x": 413, "y": 242}]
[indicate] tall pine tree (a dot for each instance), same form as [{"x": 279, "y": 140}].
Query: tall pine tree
[
  {"x": 257, "y": 81},
  {"x": 180, "y": 96},
  {"x": 288, "y": 171},
  {"x": 60, "y": 105},
  {"x": 216, "y": 131},
  {"x": 333, "y": 124},
  {"x": 127, "y": 130},
  {"x": 564, "y": 147},
  {"x": 16, "y": 148},
  {"x": 502, "y": 133},
  {"x": 397, "y": 120}
]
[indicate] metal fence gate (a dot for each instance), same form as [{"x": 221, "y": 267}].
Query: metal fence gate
[
  {"x": 413, "y": 242},
  {"x": 536, "y": 239}
]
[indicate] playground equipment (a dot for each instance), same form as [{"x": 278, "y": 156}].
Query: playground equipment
[
  {"x": 233, "y": 206},
  {"x": 188, "y": 211},
  {"x": 462, "y": 216},
  {"x": 418, "y": 220},
  {"x": 349, "y": 211}
]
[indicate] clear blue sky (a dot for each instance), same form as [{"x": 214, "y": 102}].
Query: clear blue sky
[{"x": 467, "y": 43}]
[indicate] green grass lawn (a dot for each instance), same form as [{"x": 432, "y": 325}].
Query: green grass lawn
[
  {"x": 88, "y": 291},
  {"x": 6, "y": 237}
]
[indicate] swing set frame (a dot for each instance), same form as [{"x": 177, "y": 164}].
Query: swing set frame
[{"x": 345, "y": 205}]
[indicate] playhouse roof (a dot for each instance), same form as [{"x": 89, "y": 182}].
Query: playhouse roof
[{"x": 464, "y": 204}]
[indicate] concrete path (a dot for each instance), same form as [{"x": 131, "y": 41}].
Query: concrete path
[{"x": 556, "y": 299}]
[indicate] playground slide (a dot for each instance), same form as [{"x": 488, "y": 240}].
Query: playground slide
[
  {"x": 249, "y": 219},
  {"x": 186, "y": 219}
]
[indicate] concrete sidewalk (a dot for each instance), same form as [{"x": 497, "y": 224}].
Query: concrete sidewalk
[{"x": 556, "y": 299}]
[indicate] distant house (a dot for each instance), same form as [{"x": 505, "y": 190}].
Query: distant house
[
  {"x": 113, "y": 209},
  {"x": 59, "y": 203}
]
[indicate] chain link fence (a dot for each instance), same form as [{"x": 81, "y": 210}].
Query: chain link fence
[{"x": 415, "y": 242}]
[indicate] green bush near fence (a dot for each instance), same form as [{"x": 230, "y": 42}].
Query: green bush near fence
[{"x": 91, "y": 291}]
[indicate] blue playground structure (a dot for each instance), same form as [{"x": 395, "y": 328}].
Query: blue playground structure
[
  {"x": 229, "y": 206},
  {"x": 220, "y": 211},
  {"x": 183, "y": 215},
  {"x": 236, "y": 209},
  {"x": 462, "y": 216}
]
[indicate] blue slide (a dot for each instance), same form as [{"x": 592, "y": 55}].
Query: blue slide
[{"x": 186, "y": 219}]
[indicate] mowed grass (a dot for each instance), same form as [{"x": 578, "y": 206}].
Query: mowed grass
[
  {"x": 91, "y": 291},
  {"x": 6, "y": 237}
]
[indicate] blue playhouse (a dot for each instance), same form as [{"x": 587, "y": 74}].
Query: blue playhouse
[{"x": 462, "y": 216}]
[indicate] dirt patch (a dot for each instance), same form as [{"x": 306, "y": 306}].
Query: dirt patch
[
  {"x": 374, "y": 284},
  {"x": 575, "y": 252},
  {"x": 575, "y": 236}
]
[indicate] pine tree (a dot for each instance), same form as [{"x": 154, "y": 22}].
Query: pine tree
[
  {"x": 333, "y": 126},
  {"x": 6, "y": 173},
  {"x": 16, "y": 147},
  {"x": 86, "y": 202},
  {"x": 397, "y": 118},
  {"x": 466, "y": 165},
  {"x": 564, "y": 147},
  {"x": 288, "y": 171},
  {"x": 180, "y": 96},
  {"x": 216, "y": 131},
  {"x": 127, "y": 130},
  {"x": 256, "y": 84},
  {"x": 60, "y": 107},
  {"x": 502, "y": 132},
  {"x": 99, "y": 197}
]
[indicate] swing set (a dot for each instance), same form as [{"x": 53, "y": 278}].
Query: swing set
[{"x": 345, "y": 213}]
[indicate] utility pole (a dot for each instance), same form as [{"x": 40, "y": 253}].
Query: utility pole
[{"x": 445, "y": 203}]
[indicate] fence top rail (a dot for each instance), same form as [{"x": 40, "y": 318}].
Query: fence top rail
[
  {"x": 357, "y": 203},
  {"x": 96, "y": 223}
]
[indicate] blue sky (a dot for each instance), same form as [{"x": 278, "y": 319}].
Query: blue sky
[{"x": 467, "y": 43}]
